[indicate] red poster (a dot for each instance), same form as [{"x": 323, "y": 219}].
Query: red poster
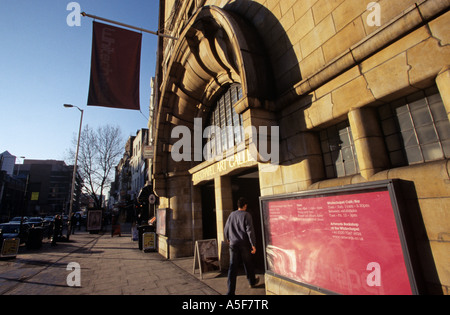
[
  {"x": 347, "y": 244},
  {"x": 115, "y": 67}
]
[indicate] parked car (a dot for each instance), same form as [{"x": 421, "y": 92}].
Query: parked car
[
  {"x": 18, "y": 219},
  {"x": 13, "y": 230},
  {"x": 49, "y": 219},
  {"x": 36, "y": 222}
]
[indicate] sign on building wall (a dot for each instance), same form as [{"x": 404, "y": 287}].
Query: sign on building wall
[
  {"x": 148, "y": 152},
  {"x": 161, "y": 220},
  {"x": 34, "y": 196},
  {"x": 347, "y": 240}
]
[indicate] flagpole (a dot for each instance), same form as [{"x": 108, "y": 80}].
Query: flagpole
[{"x": 126, "y": 25}]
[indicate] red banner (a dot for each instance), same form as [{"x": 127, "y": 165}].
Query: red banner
[{"x": 115, "y": 67}]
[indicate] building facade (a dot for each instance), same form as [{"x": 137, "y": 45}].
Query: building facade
[
  {"x": 12, "y": 188},
  {"x": 138, "y": 165},
  {"x": 131, "y": 175},
  {"x": 121, "y": 187},
  {"x": 49, "y": 187},
  {"x": 340, "y": 93}
]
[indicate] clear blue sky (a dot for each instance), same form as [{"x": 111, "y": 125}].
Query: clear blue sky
[{"x": 44, "y": 63}]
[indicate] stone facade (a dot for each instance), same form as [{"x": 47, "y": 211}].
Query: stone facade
[{"x": 304, "y": 66}]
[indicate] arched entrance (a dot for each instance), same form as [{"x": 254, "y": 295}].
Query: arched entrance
[{"x": 217, "y": 50}]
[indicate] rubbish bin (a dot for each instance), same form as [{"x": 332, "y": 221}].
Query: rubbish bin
[
  {"x": 143, "y": 229},
  {"x": 35, "y": 236}
]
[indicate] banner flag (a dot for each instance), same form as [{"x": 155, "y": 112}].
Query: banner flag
[{"x": 115, "y": 67}]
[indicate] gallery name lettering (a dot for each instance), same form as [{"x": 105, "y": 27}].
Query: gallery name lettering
[
  {"x": 106, "y": 50},
  {"x": 239, "y": 159},
  {"x": 258, "y": 147}
]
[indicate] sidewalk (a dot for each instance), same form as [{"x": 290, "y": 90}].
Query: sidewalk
[{"x": 109, "y": 265}]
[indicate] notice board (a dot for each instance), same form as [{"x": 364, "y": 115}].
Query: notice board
[
  {"x": 161, "y": 222},
  {"x": 10, "y": 247},
  {"x": 346, "y": 240},
  {"x": 94, "y": 220}
]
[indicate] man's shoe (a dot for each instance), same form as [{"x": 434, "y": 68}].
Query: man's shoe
[{"x": 256, "y": 283}]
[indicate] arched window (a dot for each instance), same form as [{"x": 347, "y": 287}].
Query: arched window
[{"x": 224, "y": 128}]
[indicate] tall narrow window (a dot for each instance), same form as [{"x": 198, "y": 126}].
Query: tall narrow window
[
  {"x": 416, "y": 128},
  {"x": 228, "y": 128},
  {"x": 338, "y": 151}
]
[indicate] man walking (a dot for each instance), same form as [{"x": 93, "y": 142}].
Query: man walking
[{"x": 240, "y": 234}]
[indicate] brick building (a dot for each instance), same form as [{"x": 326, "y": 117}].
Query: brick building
[{"x": 359, "y": 91}]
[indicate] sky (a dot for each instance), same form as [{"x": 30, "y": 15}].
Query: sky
[{"x": 45, "y": 63}]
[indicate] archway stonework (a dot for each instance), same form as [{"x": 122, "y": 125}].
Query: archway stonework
[{"x": 216, "y": 49}]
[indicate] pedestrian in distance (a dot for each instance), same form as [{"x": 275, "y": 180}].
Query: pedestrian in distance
[
  {"x": 73, "y": 223},
  {"x": 57, "y": 228},
  {"x": 240, "y": 235}
]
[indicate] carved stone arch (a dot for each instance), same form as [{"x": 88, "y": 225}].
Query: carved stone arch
[{"x": 216, "y": 49}]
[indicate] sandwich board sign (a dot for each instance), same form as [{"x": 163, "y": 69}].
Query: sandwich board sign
[
  {"x": 206, "y": 256},
  {"x": 10, "y": 247}
]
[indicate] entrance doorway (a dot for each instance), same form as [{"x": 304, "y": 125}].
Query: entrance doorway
[
  {"x": 209, "y": 224},
  {"x": 247, "y": 185}
]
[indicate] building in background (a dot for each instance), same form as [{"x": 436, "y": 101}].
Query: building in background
[
  {"x": 12, "y": 188},
  {"x": 132, "y": 176},
  {"x": 49, "y": 185},
  {"x": 7, "y": 162},
  {"x": 359, "y": 91},
  {"x": 139, "y": 165},
  {"x": 120, "y": 194}
]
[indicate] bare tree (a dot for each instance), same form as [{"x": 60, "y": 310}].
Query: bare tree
[{"x": 100, "y": 151}]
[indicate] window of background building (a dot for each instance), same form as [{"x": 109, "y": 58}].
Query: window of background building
[
  {"x": 338, "y": 149},
  {"x": 224, "y": 116},
  {"x": 416, "y": 128}
]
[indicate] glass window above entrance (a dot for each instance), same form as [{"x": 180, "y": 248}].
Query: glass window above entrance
[{"x": 225, "y": 127}]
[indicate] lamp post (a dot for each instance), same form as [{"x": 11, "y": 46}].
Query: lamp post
[
  {"x": 69, "y": 227},
  {"x": 24, "y": 200}
]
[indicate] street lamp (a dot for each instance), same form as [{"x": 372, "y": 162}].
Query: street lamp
[
  {"x": 69, "y": 227},
  {"x": 24, "y": 200}
]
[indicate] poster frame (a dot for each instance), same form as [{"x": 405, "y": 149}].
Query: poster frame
[
  {"x": 91, "y": 226},
  {"x": 398, "y": 207}
]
